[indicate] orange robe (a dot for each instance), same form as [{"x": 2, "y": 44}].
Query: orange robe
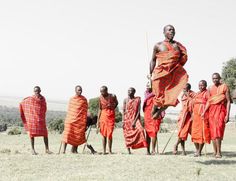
[
  {"x": 184, "y": 121},
  {"x": 169, "y": 77},
  {"x": 76, "y": 120},
  {"x": 33, "y": 114},
  {"x": 134, "y": 137},
  {"x": 151, "y": 126},
  {"x": 217, "y": 110},
  {"x": 107, "y": 115},
  {"x": 200, "y": 127}
]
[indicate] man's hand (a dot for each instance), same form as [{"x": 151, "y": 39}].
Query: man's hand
[
  {"x": 226, "y": 119},
  {"x": 133, "y": 125}
]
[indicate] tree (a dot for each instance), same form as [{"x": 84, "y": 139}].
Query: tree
[
  {"x": 229, "y": 74},
  {"x": 93, "y": 109}
]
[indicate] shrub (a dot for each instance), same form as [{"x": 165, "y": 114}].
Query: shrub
[
  {"x": 56, "y": 125},
  {"x": 14, "y": 131}
]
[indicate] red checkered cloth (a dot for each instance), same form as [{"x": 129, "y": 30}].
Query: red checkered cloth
[{"x": 33, "y": 113}]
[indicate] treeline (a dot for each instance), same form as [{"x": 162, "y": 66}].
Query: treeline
[{"x": 10, "y": 117}]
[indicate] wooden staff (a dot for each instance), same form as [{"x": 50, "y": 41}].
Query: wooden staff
[
  {"x": 87, "y": 138},
  {"x": 168, "y": 141},
  {"x": 204, "y": 136},
  {"x": 59, "y": 151}
]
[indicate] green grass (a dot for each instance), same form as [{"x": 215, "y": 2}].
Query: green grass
[{"x": 17, "y": 163}]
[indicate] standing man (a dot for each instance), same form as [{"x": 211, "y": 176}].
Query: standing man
[
  {"x": 219, "y": 110},
  {"x": 106, "y": 117},
  {"x": 167, "y": 72},
  {"x": 76, "y": 121},
  {"x": 33, "y": 112},
  {"x": 151, "y": 126},
  {"x": 200, "y": 127},
  {"x": 133, "y": 130},
  {"x": 184, "y": 121}
]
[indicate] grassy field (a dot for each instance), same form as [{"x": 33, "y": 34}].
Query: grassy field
[{"x": 17, "y": 163}]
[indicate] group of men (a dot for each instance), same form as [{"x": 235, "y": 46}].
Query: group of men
[
  {"x": 33, "y": 112},
  {"x": 202, "y": 111},
  {"x": 204, "y": 115}
]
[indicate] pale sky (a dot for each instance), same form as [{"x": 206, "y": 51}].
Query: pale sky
[{"x": 58, "y": 44}]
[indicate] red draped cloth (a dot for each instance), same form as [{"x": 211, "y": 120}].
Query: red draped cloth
[
  {"x": 134, "y": 137},
  {"x": 75, "y": 122},
  {"x": 169, "y": 77},
  {"x": 33, "y": 112},
  {"x": 200, "y": 127},
  {"x": 107, "y": 116},
  {"x": 151, "y": 126},
  {"x": 184, "y": 121},
  {"x": 217, "y": 110}
]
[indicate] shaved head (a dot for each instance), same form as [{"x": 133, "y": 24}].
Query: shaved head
[{"x": 168, "y": 26}]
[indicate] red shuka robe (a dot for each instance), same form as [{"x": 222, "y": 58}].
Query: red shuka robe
[
  {"x": 200, "y": 127},
  {"x": 134, "y": 137},
  {"x": 217, "y": 110},
  {"x": 107, "y": 116},
  {"x": 151, "y": 126},
  {"x": 184, "y": 121},
  {"x": 169, "y": 77},
  {"x": 33, "y": 114},
  {"x": 75, "y": 122}
]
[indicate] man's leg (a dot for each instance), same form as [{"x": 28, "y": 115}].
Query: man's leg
[
  {"x": 218, "y": 148},
  {"x": 200, "y": 148},
  {"x": 74, "y": 149},
  {"x": 176, "y": 146},
  {"x": 154, "y": 143},
  {"x": 32, "y": 146},
  {"x": 46, "y": 145},
  {"x": 64, "y": 148},
  {"x": 214, "y": 147},
  {"x": 183, "y": 147},
  {"x": 148, "y": 140},
  {"x": 110, "y": 145},
  {"x": 104, "y": 144},
  {"x": 129, "y": 151},
  {"x": 196, "y": 154}
]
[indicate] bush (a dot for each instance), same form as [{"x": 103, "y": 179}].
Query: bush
[
  {"x": 14, "y": 131},
  {"x": 56, "y": 125},
  {"x": 163, "y": 130},
  {"x": 3, "y": 127},
  {"x": 168, "y": 120}
]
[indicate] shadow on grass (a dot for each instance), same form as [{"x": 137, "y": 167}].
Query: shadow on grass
[
  {"x": 229, "y": 154},
  {"x": 179, "y": 153},
  {"x": 217, "y": 162}
]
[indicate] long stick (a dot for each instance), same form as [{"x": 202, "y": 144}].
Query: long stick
[
  {"x": 59, "y": 151},
  {"x": 147, "y": 46},
  {"x": 204, "y": 137},
  {"x": 87, "y": 138},
  {"x": 168, "y": 141}
]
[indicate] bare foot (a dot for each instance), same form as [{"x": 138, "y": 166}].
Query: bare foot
[
  {"x": 48, "y": 152},
  {"x": 175, "y": 151},
  {"x": 183, "y": 153},
  {"x": 153, "y": 153},
  {"x": 218, "y": 156},
  {"x": 34, "y": 152}
]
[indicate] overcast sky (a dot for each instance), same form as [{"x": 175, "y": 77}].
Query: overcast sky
[{"x": 58, "y": 44}]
